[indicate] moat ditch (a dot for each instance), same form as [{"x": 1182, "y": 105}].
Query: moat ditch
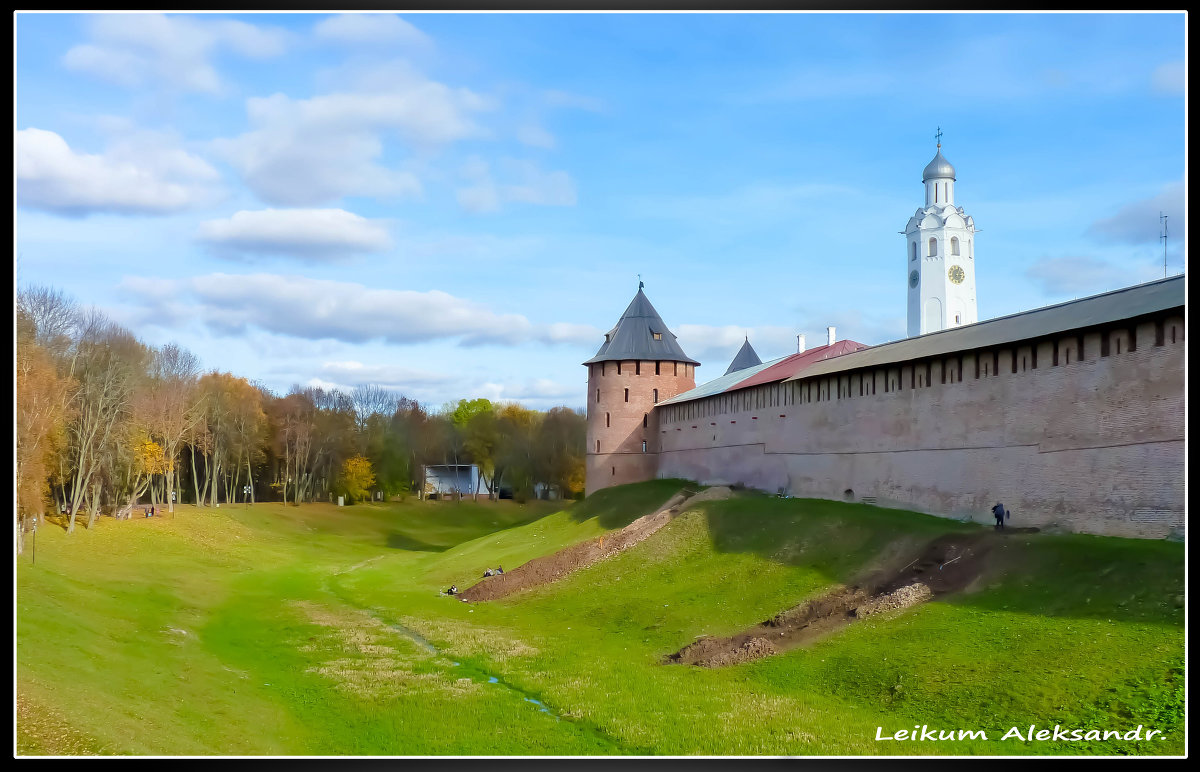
[{"x": 947, "y": 565}]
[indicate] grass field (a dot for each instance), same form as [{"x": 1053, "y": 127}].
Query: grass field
[{"x": 321, "y": 630}]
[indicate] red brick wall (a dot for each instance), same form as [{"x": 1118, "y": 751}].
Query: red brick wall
[{"x": 616, "y": 423}]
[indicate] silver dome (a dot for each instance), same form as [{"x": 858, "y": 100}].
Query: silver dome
[{"x": 938, "y": 168}]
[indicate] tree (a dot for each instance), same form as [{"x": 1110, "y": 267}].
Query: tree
[
  {"x": 370, "y": 401},
  {"x": 41, "y": 416},
  {"x": 560, "y": 451},
  {"x": 355, "y": 479},
  {"x": 481, "y": 438},
  {"x": 169, "y": 407},
  {"x": 106, "y": 363},
  {"x": 515, "y": 460}
]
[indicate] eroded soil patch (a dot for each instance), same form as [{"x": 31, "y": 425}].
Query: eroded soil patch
[
  {"x": 44, "y": 732},
  {"x": 552, "y": 568},
  {"x": 946, "y": 565}
]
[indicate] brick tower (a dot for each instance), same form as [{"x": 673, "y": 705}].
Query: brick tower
[{"x": 638, "y": 365}]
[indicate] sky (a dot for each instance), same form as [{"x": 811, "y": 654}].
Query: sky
[{"x": 456, "y": 206}]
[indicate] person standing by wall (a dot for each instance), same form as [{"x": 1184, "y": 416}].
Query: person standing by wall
[{"x": 1000, "y": 513}]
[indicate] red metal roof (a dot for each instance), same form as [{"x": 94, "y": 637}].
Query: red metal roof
[{"x": 795, "y": 363}]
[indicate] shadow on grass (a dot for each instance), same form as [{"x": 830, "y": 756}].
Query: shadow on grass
[
  {"x": 1064, "y": 575},
  {"x": 400, "y": 541},
  {"x": 619, "y": 506}
]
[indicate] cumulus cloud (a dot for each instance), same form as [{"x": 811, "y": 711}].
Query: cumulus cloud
[
  {"x": 351, "y": 373},
  {"x": 566, "y": 99},
  {"x": 136, "y": 49},
  {"x": 1138, "y": 223},
  {"x": 144, "y": 174},
  {"x": 433, "y": 388},
  {"x": 370, "y": 29},
  {"x": 1079, "y": 275},
  {"x": 316, "y": 309},
  {"x": 522, "y": 182},
  {"x": 1169, "y": 78},
  {"x": 713, "y": 344},
  {"x": 536, "y": 136},
  {"x": 310, "y": 234},
  {"x": 302, "y": 152},
  {"x": 716, "y": 345}
]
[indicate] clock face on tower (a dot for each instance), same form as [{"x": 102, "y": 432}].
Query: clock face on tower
[
  {"x": 914, "y": 279},
  {"x": 957, "y": 274}
]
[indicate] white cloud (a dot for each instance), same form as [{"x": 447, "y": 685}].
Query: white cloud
[
  {"x": 372, "y": 28},
  {"x": 432, "y": 389},
  {"x": 1077, "y": 275},
  {"x": 303, "y": 152},
  {"x": 717, "y": 345},
  {"x": 1169, "y": 78},
  {"x": 575, "y": 101},
  {"x": 136, "y": 49},
  {"x": 536, "y": 136},
  {"x": 353, "y": 373},
  {"x": 143, "y": 174},
  {"x": 1138, "y": 223},
  {"x": 317, "y": 309},
  {"x": 313, "y": 234},
  {"x": 524, "y": 182}
]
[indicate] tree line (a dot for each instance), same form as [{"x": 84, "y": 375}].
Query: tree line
[{"x": 105, "y": 422}]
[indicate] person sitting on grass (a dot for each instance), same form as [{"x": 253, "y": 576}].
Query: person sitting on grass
[
  {"x": 500, "y": 569},
  {"x": 487, "y": 573},
  {"x": 453, "y": 590}
]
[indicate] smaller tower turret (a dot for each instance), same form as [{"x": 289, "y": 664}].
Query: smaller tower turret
[{"x": 746, "y": 357}]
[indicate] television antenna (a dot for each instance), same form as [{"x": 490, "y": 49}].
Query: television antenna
[{"x": 1162, "y": 236}]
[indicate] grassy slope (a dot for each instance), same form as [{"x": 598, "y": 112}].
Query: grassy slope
[{"x": 293, "y": 646}]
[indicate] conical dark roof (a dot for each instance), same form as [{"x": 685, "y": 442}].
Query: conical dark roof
[
  {"x": 634, "y": 336},
  {"x": 746, "y": 357}
]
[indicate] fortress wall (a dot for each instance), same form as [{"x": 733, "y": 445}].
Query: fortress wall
[{"x": 1075, "y": 430}]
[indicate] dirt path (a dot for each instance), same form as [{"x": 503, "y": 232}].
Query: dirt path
[
  {"x": 552, "y": 568},
  {"x": 946, "y": 565}
]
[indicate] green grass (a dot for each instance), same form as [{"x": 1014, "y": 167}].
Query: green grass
[{"x": 321, "y": 630}]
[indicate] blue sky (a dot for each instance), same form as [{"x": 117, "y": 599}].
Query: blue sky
[{"x": 459, "y": 205}]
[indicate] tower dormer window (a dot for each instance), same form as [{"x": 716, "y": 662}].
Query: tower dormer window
[{"x": 657, "y": 335}]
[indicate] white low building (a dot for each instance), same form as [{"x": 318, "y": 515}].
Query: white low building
[{"x": 449, "y": 479}]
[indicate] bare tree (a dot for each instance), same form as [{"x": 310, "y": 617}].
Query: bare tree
[
  {"x": 54, "y": 315},
  {"x": 168, "y": 406},
  {"x": 105, "y": 366}
]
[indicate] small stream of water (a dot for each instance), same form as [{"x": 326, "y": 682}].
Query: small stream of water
[{"x": 474, "y": 673}]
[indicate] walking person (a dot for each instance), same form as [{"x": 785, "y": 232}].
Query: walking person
[{"x": 1000, "y": 513}]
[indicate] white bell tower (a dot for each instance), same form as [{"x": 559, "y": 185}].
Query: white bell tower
[{"x": 940, "y": 250}]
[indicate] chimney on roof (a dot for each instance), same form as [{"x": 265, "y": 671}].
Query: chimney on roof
[
  {"x": 800, "y": 343},
  {"x": 832, "y": 335}
]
